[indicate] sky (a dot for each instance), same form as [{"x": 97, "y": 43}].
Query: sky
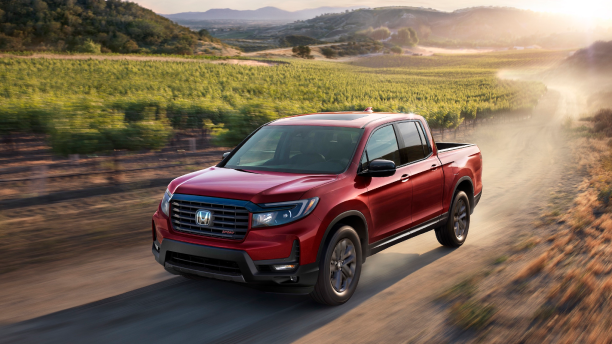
[{"x": 581, "y": 8}]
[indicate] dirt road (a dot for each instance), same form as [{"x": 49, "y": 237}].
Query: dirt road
[
  {"x": 134, "y": 300},
  {"x": 140, "y": 58}
]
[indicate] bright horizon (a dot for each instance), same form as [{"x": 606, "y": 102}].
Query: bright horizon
[{"x": 583, "y": 9}]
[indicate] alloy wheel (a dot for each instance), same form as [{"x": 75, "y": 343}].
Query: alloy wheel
[
  {"x": 342, "y": 265},
  {"x": 460, "y": 219}
]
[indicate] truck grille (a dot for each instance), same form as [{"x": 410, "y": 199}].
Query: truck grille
[
  {"x": 227, "y": 267},
  {"x": 227, "y": 221}
]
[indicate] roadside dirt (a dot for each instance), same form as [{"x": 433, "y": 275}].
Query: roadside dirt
[{"x": 136, "y": 300}]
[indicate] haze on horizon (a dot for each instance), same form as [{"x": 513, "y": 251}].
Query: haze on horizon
[{"x": 582, "y": 8}]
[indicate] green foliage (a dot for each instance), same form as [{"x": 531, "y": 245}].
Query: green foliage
[
  {"x": 37, "y": 94},
  {"x": 353, "y": 48},
  {"x": 250, "y": 117},
  {"x": 472, "y": 315},
  {"x": 297, "y": 40},
  {"x": 379, "y": 34},
  {"x": 444, "y": 118},
  {"x": 90, "y": 47},
  {"x": 205, "y": 34},
  {"x": 117, "y": 26},
  {"x": 302, "y": 51},
  {"x": 396, "y": 50},
  {"x": 328, "y": 52},
  {"x": 406, "y": 37},
  {"x": 87, "y": 131}
]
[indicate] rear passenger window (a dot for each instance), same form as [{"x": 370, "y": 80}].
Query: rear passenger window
[
  {"x": 382, "y": 145},
  {"x": 413, "y": 146}
]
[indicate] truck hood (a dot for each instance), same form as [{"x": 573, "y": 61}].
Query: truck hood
[{"x": 254, "y": 186}]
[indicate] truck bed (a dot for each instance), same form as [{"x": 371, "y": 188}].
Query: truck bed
[{"x": 448, "y": 146}]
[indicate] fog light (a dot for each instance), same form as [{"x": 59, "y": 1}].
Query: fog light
[{"x": 284, "y": 267}]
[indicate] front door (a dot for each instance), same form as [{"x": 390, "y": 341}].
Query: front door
[{"x": 388, "y": 197}]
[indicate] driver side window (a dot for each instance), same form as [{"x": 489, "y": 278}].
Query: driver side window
[{"x": 381, "y": 145}]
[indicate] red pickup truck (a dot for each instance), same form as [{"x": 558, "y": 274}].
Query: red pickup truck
[{"x": 302, "y": 201}]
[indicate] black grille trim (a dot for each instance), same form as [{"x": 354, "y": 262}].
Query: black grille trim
[
  {"x": 294, "y": 258},
  {"x": 228, "y": 221},
  {"x": 226, "y": 267}
]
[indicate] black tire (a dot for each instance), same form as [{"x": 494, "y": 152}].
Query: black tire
[
  {"x": 455, "y": 231},
  {"x": 337, "y": 271}
]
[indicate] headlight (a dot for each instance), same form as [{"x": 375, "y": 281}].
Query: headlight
[
  {"x": 294, "y": 211},
  {"x": 165, "y": 203}
]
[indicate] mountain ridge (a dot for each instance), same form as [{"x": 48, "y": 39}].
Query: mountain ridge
[{"x": 264, "y": 13}]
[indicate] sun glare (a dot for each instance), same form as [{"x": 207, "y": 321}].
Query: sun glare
[{"x": 587, "y": 9}]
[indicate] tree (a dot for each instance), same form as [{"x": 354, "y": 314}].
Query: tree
[
  {"x": 406, "y": 36},
  {"x": 119, "y": 26},
  {"x": 396, "y": 50},
  {"x": 328, "y": 52},
  {"x": 205, "y": 34},
  {"x": 302, "y": 51},
  {"x": 381, "y": 33}
]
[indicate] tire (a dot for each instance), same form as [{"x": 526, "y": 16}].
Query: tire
[
  {"x": 455, "y": 231},
  {"x": 335, "y": 286}
]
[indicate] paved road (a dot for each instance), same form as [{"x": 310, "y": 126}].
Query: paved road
[{"x": 394, "y": 299}]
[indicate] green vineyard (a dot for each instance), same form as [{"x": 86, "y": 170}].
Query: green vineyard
[{"x": 101, "y": 101}]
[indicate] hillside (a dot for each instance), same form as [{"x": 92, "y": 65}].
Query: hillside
[
  {"x": 589, "y": 69},
  {"x": 597, "y": 58},
  {"x": 265, "y": 13},
  {"x": 91, "y": 26},
  {"x": 484, "y": 26}
]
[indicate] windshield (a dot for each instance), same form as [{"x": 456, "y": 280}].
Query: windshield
[{"x": 297, "y": 149}]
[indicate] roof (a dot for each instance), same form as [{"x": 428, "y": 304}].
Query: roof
[{"x": 351, "y": 119}]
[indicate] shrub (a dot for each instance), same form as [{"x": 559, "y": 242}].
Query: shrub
[
  {"x": 240, "y": 125},
  {"x": 87, "y": 131},
  {"x": 603, "y": 122},
  {"x": 396, "y": 50},
  {"x": 302, "y": 51},
  {"x": 328, "y": 52},
  {"x": 297, "y": 40},
  {"x": 472, "y": 314},
  {"x": 90, "y": 47}
]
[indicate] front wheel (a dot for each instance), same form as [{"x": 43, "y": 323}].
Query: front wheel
[
  {"x": 454, "y": 233},
  {"x": 339, "y": 269}
]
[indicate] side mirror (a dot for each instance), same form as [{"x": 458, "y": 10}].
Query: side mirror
[
  {"x": 380, "y": 168},
  {"x": 226, "y": 154}
]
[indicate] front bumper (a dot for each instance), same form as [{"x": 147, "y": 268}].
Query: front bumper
[{"x": 301, "y": 280}]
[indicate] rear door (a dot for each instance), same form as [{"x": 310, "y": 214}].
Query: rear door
[
  {"x": 425, "y": 172},
  {"x": 388, "y": 197}
]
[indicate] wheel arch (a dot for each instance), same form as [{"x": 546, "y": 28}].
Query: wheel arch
[
  {"x": 353, "y": 218},
  {"x": 466, "y": 185}
]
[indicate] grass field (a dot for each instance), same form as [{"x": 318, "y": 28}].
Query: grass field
[{"x": 37, "y": 94}]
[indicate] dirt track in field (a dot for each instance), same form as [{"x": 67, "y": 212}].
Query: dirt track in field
[
  {"x": 141, "y": 58},
  {"x": 124, "y": 296}
]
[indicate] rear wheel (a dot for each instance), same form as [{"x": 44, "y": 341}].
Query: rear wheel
[
  {"x": 339, "y": 269},
  {"x": 455, "y": 231}
]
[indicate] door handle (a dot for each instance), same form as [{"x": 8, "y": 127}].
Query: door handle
[
  {"x": 405, "y": 178},
  {"x": 434, "y": 167}
]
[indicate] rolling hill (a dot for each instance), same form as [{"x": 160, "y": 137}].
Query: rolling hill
[
  {"x": 265, "y": 13},
  {"x": 478, "y": 25},
  {"x": 91, "y": 26}
]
